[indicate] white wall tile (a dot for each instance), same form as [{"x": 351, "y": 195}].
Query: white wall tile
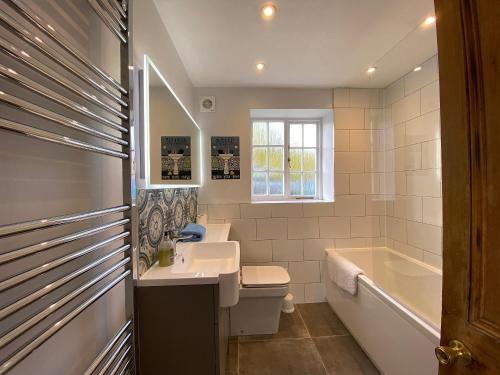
[
  {"x": 396, "y": 229},
  {"x": 215, "y": 221},
  {"x": 429, "y": 73},
  {"x": 408, "y": 250},
  {"x": 272, "y": 229},
  {"x": 349, "y": 162},
  {"x": 426, "y": 237},
  {"x": 341, "y": 184},
  {"x": 425, "y": 183},
  {"x": 315, "y": 293},
  {"x": 431, "y": 154},
  {"x": 360, "y": 183},
  {"x": 349, "y": 118},
  {"x": 242, "y": 229},
  {"x": 352, "y": 243},
  {"x": 433, "y": 211},
  {"x": 375, "y": 161},
  {"x": 366, "y": 226},
  {"x": 288, "y": 250},
  {"x": 224, "y": 211},
  {"x": 433, "y": 260},
  {"x": 297, "y": 290},
  {"x": 408, "y": 207},
  {"x": 318, "y": 209},
  {"x": 255, "y": 210},
  {"x": 341, "y": 140},
  {"x": 202, "y": 209},
  {"x": 375, "y": 205},
  {"x": 401, "y": 184},
  {"x": 299, "y": 228},
  {"x": 374, "y": 119},
  {"x": 423, "y": 128},
  {"x": 412, "y": 157},
  {"x": 350, "y": 205},
  {"x": 256, "y": 251},
  {"x": 365, "y": 98},
  {"x": 430, "y": 97},
  {"x": 304, "y": 272},
  {"x": 289, "y": 209},
  {"x": 360, "y": 140},
  {"x": 406, "y": 108},
  {"x": 314, "y": 249},
  {"x": 334, "y": 227},
  {"x": 340, "y": 97},
  {"x": 394, "y": 92}
]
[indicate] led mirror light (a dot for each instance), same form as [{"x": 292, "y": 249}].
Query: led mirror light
[{"x": 417, "y": 69}]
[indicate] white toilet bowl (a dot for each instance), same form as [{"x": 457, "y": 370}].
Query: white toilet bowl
[{"x": 262, "y": 291}]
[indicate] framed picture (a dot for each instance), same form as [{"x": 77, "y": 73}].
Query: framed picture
[
  {"x": 225, "y": 153},
  {"x": 175, "y": 158}
]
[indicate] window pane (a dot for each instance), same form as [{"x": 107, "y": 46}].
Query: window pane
[
  {"x": 259, "y": 133},
  {"x": 295, "y": 184},
  {"x": 276, "y": 158},
  {"x": 296, "y": 135},
  {"x": 259, "y": 183},
  {"x": 310, "y": 159},
  {"x": 310, "y": 135},
  {"x": 276, "y": 183},
  {"x": 259, "y": 159},
  {"x": 296, "y": 160},
  {"x": 310, "y": 184},
  {"x": 276, "y": 133}
]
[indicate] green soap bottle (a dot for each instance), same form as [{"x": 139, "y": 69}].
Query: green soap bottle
[{"x": 166, "y": 251}]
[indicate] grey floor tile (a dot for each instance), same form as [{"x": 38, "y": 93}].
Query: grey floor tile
[
  {"x": 280, "y": 357},
  {"x": 321, "y": 320},
  {"x": 343, "y": 356},
  {"x": 232, "y": 359},
  {"x": 291, "y": 326}
]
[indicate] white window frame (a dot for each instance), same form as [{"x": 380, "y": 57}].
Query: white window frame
[{"x": 286, "y": 197}]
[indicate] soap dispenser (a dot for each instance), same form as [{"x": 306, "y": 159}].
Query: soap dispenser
[{"x": 166, "y": 251}]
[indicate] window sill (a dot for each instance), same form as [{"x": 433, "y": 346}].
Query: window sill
[{"x": 296, "y": 201}]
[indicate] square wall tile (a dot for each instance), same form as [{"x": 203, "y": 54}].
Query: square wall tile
[
  {"x": 394, "y": 92},
  {"x": 256, "y": 251},
  {"x": 406, "y": 109},
  {"x": 425, "y": 236},
  {"x": 341, "y": 140},
  {"x": 349, "y": 118},
  {"x": 304, "y": 272},
  {"x": 349, "y": 162},
  {"x": 318, "y": 209},
  {"x": 375, "y": 205},
  {"x": 315, "y": 293},
  {"x": 286, "y": 209},
  {"x": 288, "y": 250},
  {"x": 224, "y": 211},
  {"x": 375, "y": 161},
  {"x": 433, "y": 211},
  {"x": 341, "y": 182},
  {"x": 430, "y": 97},
  {"x": 360, "y": 140},
  {"x": 365, "y": 98},
  {"x": 341, "y": 97},
  {"x": 272, "y": 229},
  {"x": 412, "y": 157},
  {"x": 409, "y": 250},
  {"x": 366, "y": 226},
  {"x": 433, "y": 260},
  {"x": 431, "y": 154},
  {"x": 299, "y": 228},
  {"x": 426, "y": 182},
  {"x": 314, "y": 249},
  {"x": 334, "y": 227},
  {"x": 350, "y": 205},
  {"x": 396, "y": 229},
  {"x": 352, "y": 243},
  {"x": 374, "y": 119},
  {"x": 255, "y": 210},
  {"x": 242, "y": 229},
  {"x": 424, "y": 128}
]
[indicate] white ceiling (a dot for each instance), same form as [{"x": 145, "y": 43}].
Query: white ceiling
[{"x": 310, "y": 43}]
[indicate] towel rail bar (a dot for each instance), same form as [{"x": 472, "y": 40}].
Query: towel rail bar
[
  {"x": 107, "y": 19},
  {"x": 114, "y": 15},
  {"x": 119, "y": 8}
]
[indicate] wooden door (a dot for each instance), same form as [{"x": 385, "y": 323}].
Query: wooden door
[{"x": 469, "y": 68}]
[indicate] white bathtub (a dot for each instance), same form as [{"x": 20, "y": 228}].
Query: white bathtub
[{"x": 396, "y": 314}]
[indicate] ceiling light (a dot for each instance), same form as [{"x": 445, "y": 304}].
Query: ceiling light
[
  {"x": 430, "y": 20},
  {"x": 268, "y": 11},
  {"x": 417, "y": 69},
  {"x": 371, "y": 70},
  {"x": 260, "y": 66}
]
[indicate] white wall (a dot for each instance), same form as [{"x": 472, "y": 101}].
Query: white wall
[
  {"x": 294, "y": 235},
  {"x": 413, "y": 164},
  {"x": 150, "y": 37}
]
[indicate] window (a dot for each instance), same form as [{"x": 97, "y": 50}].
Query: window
[{"x": 285, "y": 159}]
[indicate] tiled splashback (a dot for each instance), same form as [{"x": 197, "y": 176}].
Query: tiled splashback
[{"x": 159, "y": 211}]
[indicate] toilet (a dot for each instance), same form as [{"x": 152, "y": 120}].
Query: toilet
[{"x": 262, "y": 290}]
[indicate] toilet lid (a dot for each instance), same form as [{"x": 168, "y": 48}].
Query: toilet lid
[{"x": 264, "y": 276}]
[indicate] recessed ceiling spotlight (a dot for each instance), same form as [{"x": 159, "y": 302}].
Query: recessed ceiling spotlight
[
  {"x": 417, "y": 69},
  {"x": 268, "y": 11},
  {"x": 371, "y": 70},
  {"x": 260, "y": 66},
  {"x": 430, "y": 20}
]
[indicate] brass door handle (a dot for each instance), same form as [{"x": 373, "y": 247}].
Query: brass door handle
[{"x": 456, "y": 351}]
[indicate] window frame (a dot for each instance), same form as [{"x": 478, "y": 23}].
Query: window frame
[{"x": 287, "y": 121}]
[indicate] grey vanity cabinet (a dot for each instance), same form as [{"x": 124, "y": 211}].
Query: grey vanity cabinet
[{"x": 180, "y": 330}]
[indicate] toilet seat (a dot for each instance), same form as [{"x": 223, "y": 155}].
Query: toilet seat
[{"x": 264, "y": 277}]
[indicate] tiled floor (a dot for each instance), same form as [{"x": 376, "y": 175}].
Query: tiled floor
[{"x": 311, "y": 341}]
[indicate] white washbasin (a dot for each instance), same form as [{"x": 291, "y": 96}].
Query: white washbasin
[{"x": 202, "y": 263}]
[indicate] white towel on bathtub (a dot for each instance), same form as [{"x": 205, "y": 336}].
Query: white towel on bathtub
[{"x": 343, "y": 272}]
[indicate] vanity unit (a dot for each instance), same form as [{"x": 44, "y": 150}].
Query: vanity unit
[{"x": 182, "y": 311}]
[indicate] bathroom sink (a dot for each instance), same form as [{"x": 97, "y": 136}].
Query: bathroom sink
[{"x": 202, "y": 263}]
